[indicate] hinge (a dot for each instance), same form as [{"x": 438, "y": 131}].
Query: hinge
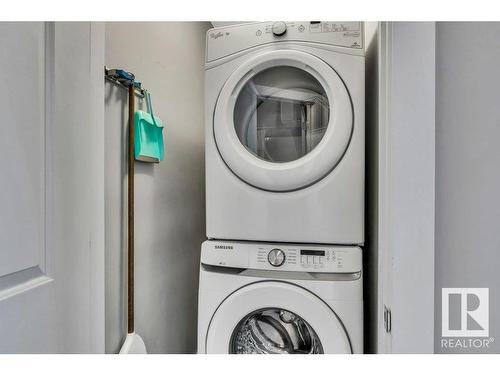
[{"x": 387, "y": 319}]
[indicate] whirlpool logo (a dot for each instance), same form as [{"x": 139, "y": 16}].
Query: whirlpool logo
[
  {"x": 465, "y": 318},
  {"x": 216, "y": 35}
]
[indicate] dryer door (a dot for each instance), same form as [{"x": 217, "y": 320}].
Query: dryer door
[
  {"x": 283, "y": 120},
  {"x": 275, "y": 317}
]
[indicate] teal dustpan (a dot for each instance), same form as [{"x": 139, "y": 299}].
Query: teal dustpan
[{"x": 148, "y": 140}]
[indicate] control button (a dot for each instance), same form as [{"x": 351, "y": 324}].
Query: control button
[
  {"x": 316, "y": 259},
  {"x": 258, "y": 32},
  {"x": 303, "y": 259},
  {"x": 279, "y": 28},
  {"x": 301, "y": 28},
  {"x": 276, "y": 257},
  {"x": 309, "y": 259}
]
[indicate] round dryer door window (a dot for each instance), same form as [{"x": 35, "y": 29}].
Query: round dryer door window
[
  {"x": 283, "y": 120},
  {"x": 281, "y": 114},
  {"x": 272, "y": 317}
]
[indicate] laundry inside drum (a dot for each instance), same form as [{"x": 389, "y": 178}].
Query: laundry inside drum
[{"x": 274, "y": 331}]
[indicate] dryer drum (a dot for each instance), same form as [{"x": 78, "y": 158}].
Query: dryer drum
[
  {"x": 274, "y": 331},
  {"x": 281, "y": 114}
]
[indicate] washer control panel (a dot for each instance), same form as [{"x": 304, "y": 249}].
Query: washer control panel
[
  {"x": 225, "y": 41},
  {"x": 311, "y": 258},
  {"x": 307, "y": 259},
  {"x": 283, "y": 257}
]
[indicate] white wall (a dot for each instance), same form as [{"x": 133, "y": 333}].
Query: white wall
[
  {"x": 467, "y": 165},
  {"x": 168, "y": 58}
]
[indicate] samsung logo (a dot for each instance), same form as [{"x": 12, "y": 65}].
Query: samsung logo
[{"x": 224, "y": 247}]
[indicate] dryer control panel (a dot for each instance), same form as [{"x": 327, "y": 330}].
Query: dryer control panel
[
  {"x": 283, "y": 257},
  {"x": 225, "y": 41}
]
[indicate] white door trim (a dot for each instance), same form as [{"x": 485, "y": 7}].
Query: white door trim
[{"x": 406, "y": 186}]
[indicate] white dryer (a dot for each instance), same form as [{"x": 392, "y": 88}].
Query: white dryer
[
  {"x": 280, "y": 298},
  {"x": 285, "y": 132}
]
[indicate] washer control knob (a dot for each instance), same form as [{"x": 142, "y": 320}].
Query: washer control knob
[
  {"x": 279, "y": 28},
  {"x": 276, "y": 257}
]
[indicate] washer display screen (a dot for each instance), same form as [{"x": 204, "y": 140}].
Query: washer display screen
[{"x": 320, "y": 253}]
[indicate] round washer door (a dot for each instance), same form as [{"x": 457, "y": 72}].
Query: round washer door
[
  {"x": 283, "y": 120},
  {"x": 275, "y": 317}
]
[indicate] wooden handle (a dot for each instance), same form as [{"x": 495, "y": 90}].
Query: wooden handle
[{"x": 131, "y": 160}]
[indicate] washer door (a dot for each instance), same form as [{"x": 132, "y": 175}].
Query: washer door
[
  {"x": 275, "y": 317},
  {"x": 283, "y": 120}
]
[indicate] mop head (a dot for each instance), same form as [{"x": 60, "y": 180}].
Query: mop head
[{"x": 133, "y": 345}]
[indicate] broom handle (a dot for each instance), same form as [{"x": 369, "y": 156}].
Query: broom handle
[{"x": 131, "y": 111}]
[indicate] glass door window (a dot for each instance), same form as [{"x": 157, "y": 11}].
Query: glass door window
[
  {"x": 281, "y": 114},
  {"x": 274, "y": 331}
]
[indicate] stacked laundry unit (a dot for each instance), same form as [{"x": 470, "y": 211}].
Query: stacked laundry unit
[{"x": 281, "y": 271}]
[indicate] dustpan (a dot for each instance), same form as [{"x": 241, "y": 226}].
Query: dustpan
[{"x": 148, "y": 135}]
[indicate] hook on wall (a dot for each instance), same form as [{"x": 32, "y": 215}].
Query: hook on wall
[{"x": 124, "y": 79}]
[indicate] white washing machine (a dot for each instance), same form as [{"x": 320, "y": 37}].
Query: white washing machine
[
  {"x": 280, "y": 298},
  {"x": 285, "y": 132}
]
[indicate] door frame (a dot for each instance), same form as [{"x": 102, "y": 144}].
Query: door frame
[{"x": 405, "y": 188}]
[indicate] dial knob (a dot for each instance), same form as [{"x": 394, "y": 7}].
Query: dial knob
[
  {"x": 276, "y": 257},
  {"x": 279, "y": 28}
]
